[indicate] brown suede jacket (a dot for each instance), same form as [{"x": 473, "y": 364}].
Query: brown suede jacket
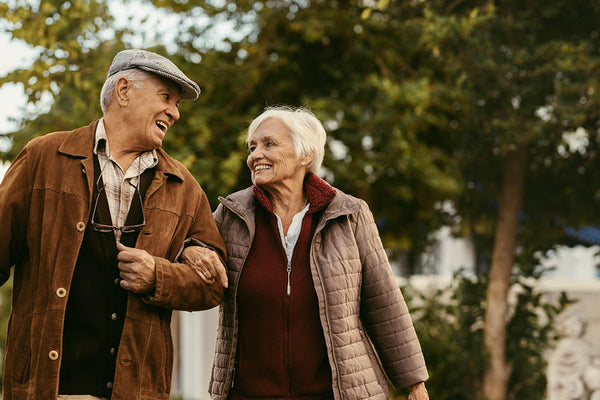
[{"x": 44, "y": 208}]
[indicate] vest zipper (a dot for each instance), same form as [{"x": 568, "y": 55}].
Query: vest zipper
[
  {"x": 289, "y": 268},
  {"x": 289, "y": 273},
  {"x": 287, "y": 338}
]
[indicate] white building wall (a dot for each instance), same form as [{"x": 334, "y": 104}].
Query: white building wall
[
  {"x": 198, "y": 333},
  {"x": 452, "y": 254},
  {"x": 573, "y": 263}
]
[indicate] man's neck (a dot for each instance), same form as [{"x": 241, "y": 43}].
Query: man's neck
[{"x": 120, "y": 148}]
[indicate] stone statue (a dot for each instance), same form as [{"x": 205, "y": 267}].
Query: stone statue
[{"x": 574, "y": 366}]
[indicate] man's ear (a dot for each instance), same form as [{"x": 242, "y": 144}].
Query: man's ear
[{"x": 122, "y": 91}]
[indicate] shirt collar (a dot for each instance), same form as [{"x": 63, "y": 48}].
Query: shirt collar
[{"x": 149, "y": 158}]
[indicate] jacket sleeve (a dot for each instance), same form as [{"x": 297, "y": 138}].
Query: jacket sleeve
[
  {"x": 383, "y": 311},
  {"x": 179, "y": 286},
  {"x": 15, "y": 195}
]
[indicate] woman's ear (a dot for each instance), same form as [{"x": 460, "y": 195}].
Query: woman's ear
[
  {"x": 122, "y": 91},
  {"x": 307, "y": 159}
]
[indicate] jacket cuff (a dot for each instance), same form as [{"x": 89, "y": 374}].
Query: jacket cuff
[
  {"x": 159, "y": 296},
  {"x": 187, "y": 243}
]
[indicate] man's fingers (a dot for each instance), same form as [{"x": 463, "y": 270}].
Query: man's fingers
[
  {"x": 125, "y": 266},
  {"x": 122, "y": 247},
  {"x": 127, "y": 253}
]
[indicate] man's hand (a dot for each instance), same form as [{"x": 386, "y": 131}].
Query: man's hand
[
  {"x": 207, "y": 263},
  {"x": 418, "y": 392},
  {"x": 138, "y": 270}
]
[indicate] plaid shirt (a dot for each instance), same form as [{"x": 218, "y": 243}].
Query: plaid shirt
[{"x": 119, "y": 186}]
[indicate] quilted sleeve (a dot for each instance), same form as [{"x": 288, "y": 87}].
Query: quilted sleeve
[{"x": 383, "y": 310}]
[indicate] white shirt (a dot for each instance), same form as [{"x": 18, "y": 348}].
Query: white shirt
[{"x": 289, "y": 241}]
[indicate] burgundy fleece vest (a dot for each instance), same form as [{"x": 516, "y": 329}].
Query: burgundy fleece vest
[{"x": 281, "y": 350}]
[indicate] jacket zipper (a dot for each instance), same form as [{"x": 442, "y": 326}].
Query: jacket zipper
[
  {"x": 232, "y": 354},
  {"x": 337, "y": 372},
  {"x": 233, "y": 374}
]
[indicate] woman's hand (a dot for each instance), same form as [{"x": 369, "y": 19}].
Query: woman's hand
[
  {"x": 418, "y": 392},
  {"x": 207, "y": 263}
]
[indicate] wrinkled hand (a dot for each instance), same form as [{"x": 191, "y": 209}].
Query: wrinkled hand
[
  {"x": 418, "y": 392},
  {"x": 207, "y": 263},
  {"x": 138, "y": 270}
]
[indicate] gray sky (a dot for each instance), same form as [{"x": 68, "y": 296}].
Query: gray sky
[{"x": 12, "y": 98}]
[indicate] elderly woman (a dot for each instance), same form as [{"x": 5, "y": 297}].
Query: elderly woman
[{"x": 313, "y": 310}]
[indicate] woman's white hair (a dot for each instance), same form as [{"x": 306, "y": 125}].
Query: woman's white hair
[
  {"x": 308, "y": 134},
  {"x": 134, "y": 75}
]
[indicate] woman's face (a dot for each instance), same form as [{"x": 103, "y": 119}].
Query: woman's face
[{"x": 272, "y": 159}]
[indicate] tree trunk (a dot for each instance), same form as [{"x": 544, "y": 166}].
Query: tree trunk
[{"x": 497, "y": 372}]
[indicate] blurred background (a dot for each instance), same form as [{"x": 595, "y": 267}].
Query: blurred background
[{"x": 472, "y": 129}]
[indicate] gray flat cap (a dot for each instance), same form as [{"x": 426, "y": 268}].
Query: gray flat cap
[{"x": 157, "y": 64}]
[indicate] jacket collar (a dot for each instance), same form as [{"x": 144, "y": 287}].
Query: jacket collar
[
  {"x": 243, "y": 204},
  {"x": 80, "y": 143},
  {"x": 318, "y": 193}
]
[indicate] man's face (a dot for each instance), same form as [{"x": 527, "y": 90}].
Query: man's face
[{"x": 152, "y": 110}]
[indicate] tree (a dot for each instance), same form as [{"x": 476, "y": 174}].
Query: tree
[{"x": 529, "y": 73}]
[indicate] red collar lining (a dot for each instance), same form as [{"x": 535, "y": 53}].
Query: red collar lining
[{"x": 318, "y": 192}]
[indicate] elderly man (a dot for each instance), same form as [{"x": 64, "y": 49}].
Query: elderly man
[{"x": 93, "y": 221}]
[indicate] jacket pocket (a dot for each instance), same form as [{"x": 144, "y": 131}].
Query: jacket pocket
[
  {"x": 18, "y": 357},
  {"x": 158, "y": 363}
]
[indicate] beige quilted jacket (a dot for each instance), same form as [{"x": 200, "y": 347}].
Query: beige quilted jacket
[{"x": 367, "y": 327}]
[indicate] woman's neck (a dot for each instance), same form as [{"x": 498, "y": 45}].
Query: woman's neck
[{"x": 287, "y": 201}]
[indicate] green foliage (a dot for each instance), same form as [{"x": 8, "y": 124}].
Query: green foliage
[
  {"x": 529, "y": 74},
  {"x": 449, "y": 322},
  {"x": 389, "y": 124}
]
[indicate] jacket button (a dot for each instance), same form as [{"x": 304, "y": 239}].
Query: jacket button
[
  {"x": 109, "y": 385},
  {"x": 113, "y": 316},
  {"x": 53, "y": 355},
  {"x": 61, "y": 292},
  {"x": 80, "y": 226}
]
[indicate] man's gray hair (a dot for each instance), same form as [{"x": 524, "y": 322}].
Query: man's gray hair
[
  {"x": 134, "y": 75},
  {"x": 308, "y": 134}
]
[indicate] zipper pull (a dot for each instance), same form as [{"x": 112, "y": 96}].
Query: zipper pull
[{"x": 289, "y": 272}]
